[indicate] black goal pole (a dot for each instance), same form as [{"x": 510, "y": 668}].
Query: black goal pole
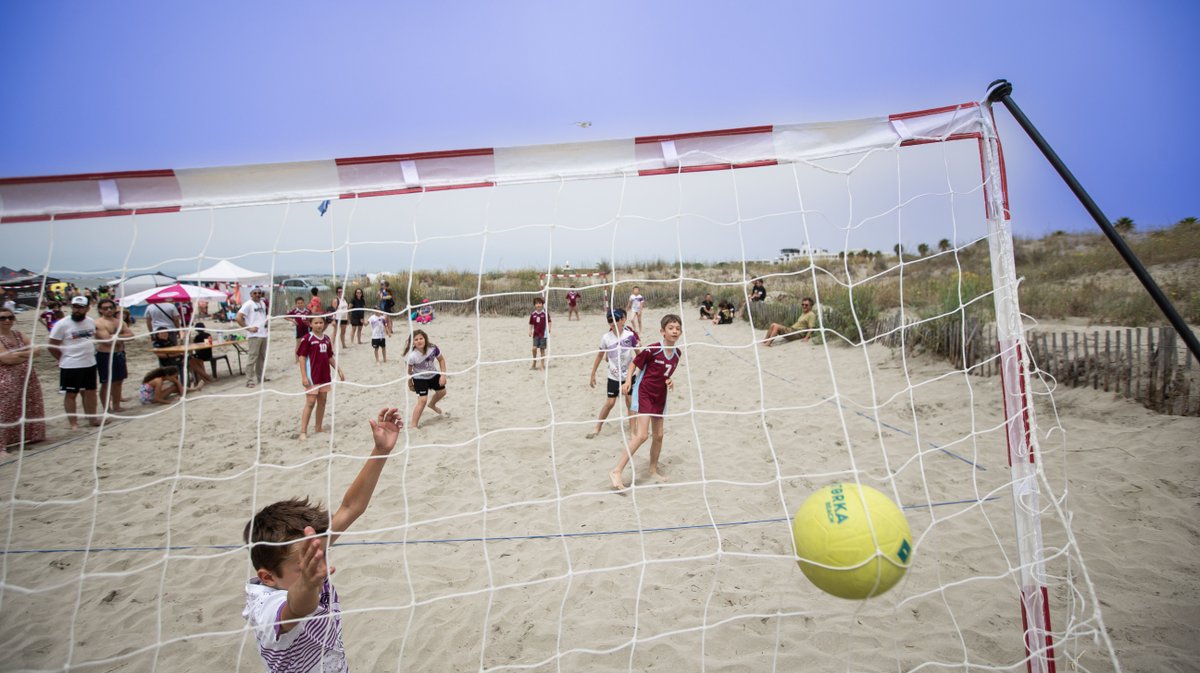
[{"x": 1001, "y": 91}]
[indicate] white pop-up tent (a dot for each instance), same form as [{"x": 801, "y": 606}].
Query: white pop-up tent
[{"x": 225, "y": 271}]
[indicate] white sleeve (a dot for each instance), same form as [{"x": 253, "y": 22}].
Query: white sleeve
[{"x": 263, "y": 614}]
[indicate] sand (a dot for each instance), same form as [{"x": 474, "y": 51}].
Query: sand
[{"x": 124, "y": 550}]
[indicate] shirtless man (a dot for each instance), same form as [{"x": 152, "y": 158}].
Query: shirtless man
[{"x": 110, "y": 355}]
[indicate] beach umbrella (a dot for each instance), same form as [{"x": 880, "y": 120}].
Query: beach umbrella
[{"x": 171, "y": 294}]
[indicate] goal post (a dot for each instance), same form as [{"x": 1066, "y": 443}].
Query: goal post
[{"x": 494, "y": 542}]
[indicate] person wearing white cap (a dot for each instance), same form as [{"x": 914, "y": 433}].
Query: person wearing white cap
[
  {"x": 71, "y": 344},
  {"x": 253, "y": 317}
]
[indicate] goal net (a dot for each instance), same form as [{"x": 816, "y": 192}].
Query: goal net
[{"x": 495, "y": 540}]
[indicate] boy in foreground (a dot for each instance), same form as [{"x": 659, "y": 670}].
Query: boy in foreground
[
  {"x": 290, "y": 603},
  {"x": 657, "y": 362}
]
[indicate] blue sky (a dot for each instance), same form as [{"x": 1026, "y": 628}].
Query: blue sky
[{"x": 140, "y": 85}]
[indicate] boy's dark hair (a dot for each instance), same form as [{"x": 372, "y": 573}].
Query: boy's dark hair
[
  {"x": 538, "y": 300},
  {"x": 314, "y": 292},
  {"x": 279, "y": 523},
  {"x": 668, "y": 319}
]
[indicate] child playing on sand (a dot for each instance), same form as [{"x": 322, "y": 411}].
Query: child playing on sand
[
  {"x": 634, "y": 307},
  {"x": 539, "y": 331},
  {"x": 160, "y": 385},
  {"x": 573, "y": 303},
  {"x": 316, "y": 359},
  {"x": 657, "y": 363},
  {"x": 299, "y": 315},
  {"x": 426, "y": 371},
  {"x": 290, "y": 602},
  {"x": 378, "y": 325},
  {"x": 619, "y": 346}
]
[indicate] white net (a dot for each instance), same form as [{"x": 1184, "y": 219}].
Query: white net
[{"x": 493, "y": 540}]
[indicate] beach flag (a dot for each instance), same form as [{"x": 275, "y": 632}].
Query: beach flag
[{"x": 323, "y": 207}]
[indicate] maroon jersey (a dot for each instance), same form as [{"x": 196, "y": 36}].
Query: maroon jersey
[
  {"x": 300, "y": 317},
  {"x": 539, "y": 319},
  {"x": 650, "y": 391},
  {"x": 572, "y": 299},
  {"x": 318, "y": 354}
]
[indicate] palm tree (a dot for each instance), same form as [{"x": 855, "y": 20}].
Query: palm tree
[
  {"x": 922, "y": 249},
  {"x": 1123, "y": 225},
  {"x": 898, "y": 249},
  {"x": 1188, "y": 222},
  {"x": 944, "y": 244}
]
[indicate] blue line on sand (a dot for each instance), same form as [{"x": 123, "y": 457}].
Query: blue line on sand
[
  {"x": 889, "y": 426},
  {"x": 545, "y": 536}
]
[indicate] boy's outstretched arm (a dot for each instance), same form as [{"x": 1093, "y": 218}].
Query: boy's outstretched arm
[{"x": 385, "y": 430}]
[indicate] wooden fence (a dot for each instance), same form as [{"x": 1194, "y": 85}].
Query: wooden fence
[{"x": 1150, "y": 365}]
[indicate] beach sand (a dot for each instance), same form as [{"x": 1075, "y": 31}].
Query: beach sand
[{"x": 124, "y": 545}]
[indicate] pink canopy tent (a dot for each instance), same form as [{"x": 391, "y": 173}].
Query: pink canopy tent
[{"x": 171, "y": 294}]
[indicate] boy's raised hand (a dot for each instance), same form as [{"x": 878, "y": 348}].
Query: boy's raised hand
[
  {"x": 386, "y": 429},
  {"x": 312, "y": 559}
]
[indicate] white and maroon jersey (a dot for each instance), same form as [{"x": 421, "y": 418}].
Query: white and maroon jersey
[
  {"x": 424, "y": 365},
  {"x": 572, "y": 298},
  {"x": 635, "y": 302},
  {"x": 620, "y": 351},
  {"x": 657, "y": 366},
  {"x": 539, "y": 320},
  {"x": 300, "y": 317},
  {"x": 319, "y": 351},
  {"x": 314, "y": 644}
]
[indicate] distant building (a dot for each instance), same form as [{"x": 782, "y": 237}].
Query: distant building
[{"x": 801, "y": 254}]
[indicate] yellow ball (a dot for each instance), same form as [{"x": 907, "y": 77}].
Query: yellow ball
[{"x": 837, "y": 549}]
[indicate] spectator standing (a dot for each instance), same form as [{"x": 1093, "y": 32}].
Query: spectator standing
[
  {"x": 253, "y": 317},
  {"x": 163, "y": 317},
  {"x": 21, "y": 407},
  {"x": 71, "y": 344}
]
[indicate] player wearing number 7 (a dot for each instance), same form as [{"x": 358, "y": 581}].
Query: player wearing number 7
[{"x": 657, "y": 363}]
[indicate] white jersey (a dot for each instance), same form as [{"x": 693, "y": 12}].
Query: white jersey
[
  {"x": 424, "y": 365},
  {"x": 620, "y": 352},
  {"x": 635, "y": 302},
  {"x": 312, "y": 645},
  {"x": 378, "y": 326}
]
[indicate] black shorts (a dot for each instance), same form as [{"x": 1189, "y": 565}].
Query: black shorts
[
  {"x": 119, "y": 370},
  {"x": 614, "y": 388},
  {"x": 75, "y": 380},
  {"x": 378, "y": 343},
  {"x": 423, "y": 386}
]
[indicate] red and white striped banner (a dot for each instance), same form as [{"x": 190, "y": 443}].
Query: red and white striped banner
[{"x": 26, "y": 199}]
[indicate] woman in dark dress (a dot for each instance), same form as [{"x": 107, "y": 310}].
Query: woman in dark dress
[{"x": 358, "y": 306}]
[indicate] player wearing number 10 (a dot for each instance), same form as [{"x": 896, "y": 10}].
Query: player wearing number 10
[{"x": 657, "y": 363}]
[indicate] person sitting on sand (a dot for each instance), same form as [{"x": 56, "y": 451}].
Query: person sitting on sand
[
  {"x": 805, "y": 327},
  {"x": 160, "y": 385},
  {"x": 724, "y": 315}
]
